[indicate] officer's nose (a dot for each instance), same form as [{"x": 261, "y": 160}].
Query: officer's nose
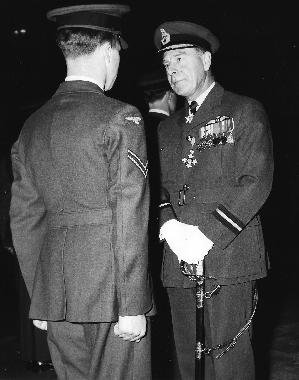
[{"x": 171, "y": 71}]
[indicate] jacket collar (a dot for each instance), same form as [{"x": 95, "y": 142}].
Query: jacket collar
[{"x": 78, "y": 86}]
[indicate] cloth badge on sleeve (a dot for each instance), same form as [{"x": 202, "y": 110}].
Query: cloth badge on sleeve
[
  {"x": 216, "y": 132},
  {"x": 135, "y": 119},
  {"x": 138, "y": 162}
]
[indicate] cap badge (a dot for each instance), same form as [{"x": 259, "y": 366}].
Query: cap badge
[{"x": 165, "y": 37}]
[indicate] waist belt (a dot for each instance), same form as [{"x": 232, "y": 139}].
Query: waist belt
[{"x": 68, "y": 219}]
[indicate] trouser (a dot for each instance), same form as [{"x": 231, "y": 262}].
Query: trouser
[
  {"x": 91, "y": 351},
  {"x": 225, "y": 313}
]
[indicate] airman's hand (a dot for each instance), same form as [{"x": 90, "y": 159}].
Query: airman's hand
[
  {"x": 131, "y": 327},
  {"x": 42, "y": 325}
]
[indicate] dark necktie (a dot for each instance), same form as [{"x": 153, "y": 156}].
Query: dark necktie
[{"x": 192, "y": 107}]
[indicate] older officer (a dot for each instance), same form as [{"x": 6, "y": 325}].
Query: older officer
[
  {"x": 217, "y": 166},
  {"x": 79, "y": 211}
]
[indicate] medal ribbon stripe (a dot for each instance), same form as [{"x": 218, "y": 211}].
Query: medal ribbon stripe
[
  {"x": 228, "y": 219},
  {"x": 137, "y": 161},
  {"x": 217, "y": 126}
]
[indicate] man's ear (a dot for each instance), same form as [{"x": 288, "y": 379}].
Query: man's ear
[
  {"x": 207, "y": 60},
  {"x": 107, "y": 50}
]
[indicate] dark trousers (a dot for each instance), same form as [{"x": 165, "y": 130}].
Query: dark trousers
[
  {"x": 225, "y": 313},
  {"x": 91, "y": 351}
]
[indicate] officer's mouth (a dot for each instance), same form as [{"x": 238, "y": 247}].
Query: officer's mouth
[{"x": 177, "y": 82}]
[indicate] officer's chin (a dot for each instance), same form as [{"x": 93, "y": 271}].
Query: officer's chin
[{"x": 180, "y": 89}]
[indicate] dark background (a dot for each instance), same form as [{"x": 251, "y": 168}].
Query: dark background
[{"x": 258, "y": 54}]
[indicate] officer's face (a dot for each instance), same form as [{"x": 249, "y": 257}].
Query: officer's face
[
  {"x": 112, "y": 67},
  {"x": 186, "y": 70}
]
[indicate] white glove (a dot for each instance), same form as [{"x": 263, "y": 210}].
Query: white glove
[
  {"x": 42, "y": 325},
  {"x": 186, "y": 241}
]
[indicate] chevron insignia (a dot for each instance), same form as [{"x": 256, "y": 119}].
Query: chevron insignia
[{"x": 137, "y": 161}]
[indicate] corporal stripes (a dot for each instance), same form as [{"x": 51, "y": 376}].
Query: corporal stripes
[
  {"x": 228, "y": 219},
  {"x": 137, "y": 161}
]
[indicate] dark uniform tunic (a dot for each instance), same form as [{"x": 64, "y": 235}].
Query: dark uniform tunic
[
  {"x": 224, "y": 157},
  {"x": 79, "y": 210}
]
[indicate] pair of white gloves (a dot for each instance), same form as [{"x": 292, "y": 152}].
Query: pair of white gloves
[{"x": 186, "y": 241}]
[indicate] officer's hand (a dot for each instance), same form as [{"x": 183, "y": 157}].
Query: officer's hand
[
  {"x": 186, "y": 241},
  {"x": 42, "y": 325},
  {"x": 131, "y": 327},
  {"x": 196, "y": 246}
]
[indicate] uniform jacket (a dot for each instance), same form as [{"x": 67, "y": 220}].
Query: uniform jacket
[
  {"x": 79, "y": 210},
  {"x": 224, "y": 157}
]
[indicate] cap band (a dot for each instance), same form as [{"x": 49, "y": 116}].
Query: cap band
[
  {"x": 186, "y": 39},
  {"x": 99, "y": 21}
]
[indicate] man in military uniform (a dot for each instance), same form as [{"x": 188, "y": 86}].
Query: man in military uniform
[
  {"x": 160, "y": 99},
  {"x": 217, "y": 167},
  {"x": 161, "y": 102},
  {"x": 79, "y": 211}
]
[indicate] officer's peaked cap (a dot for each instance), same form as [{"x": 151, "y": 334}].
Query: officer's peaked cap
[
  {"x": 180, "y": 34},
  {"x": 103, "y": 17}
]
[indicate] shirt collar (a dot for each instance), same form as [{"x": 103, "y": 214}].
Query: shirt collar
[
  {"x": 202, "y": 96},
  {"x": 157, "y": 110},
  {"x": 81, "y": 77}
]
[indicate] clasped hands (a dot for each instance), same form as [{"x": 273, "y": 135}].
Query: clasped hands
[
  {"x": 130, "y": 327},
  {"x": 186, "y": 241},
  {"x": 42, "y": 325}
]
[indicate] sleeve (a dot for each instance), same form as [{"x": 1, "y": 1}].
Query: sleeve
[
  {"x": 166, "y": 209},
  {"x": 129, "y": 199},
  {"x": 27, "y": 219},
  {"x": 253, "y": 172}
]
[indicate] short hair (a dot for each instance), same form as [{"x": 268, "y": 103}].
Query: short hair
[
  {"x": 154, "y": 95},
  {"x": 76, "y": 42}
]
